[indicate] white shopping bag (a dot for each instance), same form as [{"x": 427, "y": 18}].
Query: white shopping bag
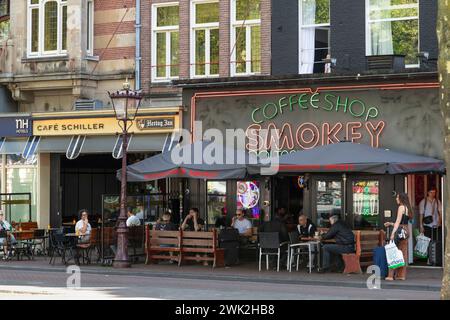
[
  {"x": 394, "y": 256},
  {"x": 421, "y": 248}
]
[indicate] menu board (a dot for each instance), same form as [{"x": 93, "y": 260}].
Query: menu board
[{"x": 366, "y": 198}]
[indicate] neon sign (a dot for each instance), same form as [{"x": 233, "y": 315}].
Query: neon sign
[
  {"x": 309, "y": 135},
  {"x": 324, "y": 101}
]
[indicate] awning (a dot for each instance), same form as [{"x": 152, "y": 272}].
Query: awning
[
  {"x": 355, "y": 157},
  {"x": 198, "y": 160},
  {"x": 92, "y": 144}
]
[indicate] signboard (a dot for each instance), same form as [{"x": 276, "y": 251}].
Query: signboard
[
  {"x": 103, "y": 126},
  {"x": 16, "y": 127},
  {"x": 155, "y": 123}
]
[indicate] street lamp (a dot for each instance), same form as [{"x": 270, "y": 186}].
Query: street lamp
[{"x": 125, "y": 103}]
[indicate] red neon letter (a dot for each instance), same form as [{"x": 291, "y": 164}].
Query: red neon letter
[
  {"x": 329, "y": 136},
  {"x": 375, "y": 132},
  {"x": 300, "y": 135},
  {"x": 352, "y": 135}
]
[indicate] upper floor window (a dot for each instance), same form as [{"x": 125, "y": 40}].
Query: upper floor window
[
  {"x": 90, "y": 28},
  {"x": 205, "y": 38},
  {"x": 393, "y": 28},
  {"x": 314, "y": 36},
  {"x": 245, "y": 37},
  {"x": 165, "y": 43},
  {"x": 4, "y": 19},
  {"x": 47, "y": 27}
]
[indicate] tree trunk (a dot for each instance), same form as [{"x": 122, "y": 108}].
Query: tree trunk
[{"x": 443, "y": 33}]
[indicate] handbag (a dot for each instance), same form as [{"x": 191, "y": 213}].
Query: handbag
[
  {"x": 401, "y": 234},
  {"x": 394, "y": 256},
  {"x": 427, "y": 220}
]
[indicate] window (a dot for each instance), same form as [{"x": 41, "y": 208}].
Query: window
[
  {"x": 4, "y": 19},
  {"x": 245, "y": 37},
  {"x": 216, "y": 200},
  {"x": 205, "y": 39},
  {"x": 366, "y": 204},
  {"x": 90, "y": 28},
  {"x": 393, "y": 28},
  {"x": 47, "y": 27},
  {"x": 314, "y": 35},
  {"x": 165, "y": 43},
  {"x": 328, "y": 201}
]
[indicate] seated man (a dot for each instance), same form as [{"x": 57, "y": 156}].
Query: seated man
[
  {"x": 132, "y": 220},
  {"x": 5, "y": 226},
  {"x": 243, "y": 225},
  {"x": 164, "y": 224},
  {"x": 83, "y": 227},
  {"x": 345, "y": 242},
  {"x": 305, "y": 227}
]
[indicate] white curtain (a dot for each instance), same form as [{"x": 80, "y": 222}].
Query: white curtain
[
  {"x": 381, "y": 32},
  {"x": 307, "y": 39}
]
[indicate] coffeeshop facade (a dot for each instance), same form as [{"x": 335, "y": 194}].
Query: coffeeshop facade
[{"x": 394, "y": 113}]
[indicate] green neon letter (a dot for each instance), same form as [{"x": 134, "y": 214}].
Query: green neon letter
[
  {"x": 292, "y": 101},
  {"x": 282, "y": 104},
  {"x": 253, "y": 116},
  {"x": 372, "y": 113},
  {"x": 274, "y": 114},
  {"x": 338, "y": 104},
  {"x": 314, "y": 99},
  {"x": 301, "y": 101},
  {"x": 329, "y": 102},
  {"x": 362, "y": 111}
]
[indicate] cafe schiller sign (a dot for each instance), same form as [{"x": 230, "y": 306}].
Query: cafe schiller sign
[
  {"x": 103, "y": 126},
  {"x": 306, "y": 135}
]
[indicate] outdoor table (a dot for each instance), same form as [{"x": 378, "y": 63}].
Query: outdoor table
[
  {"x": 310, "y": 244},
  {"x": 24, "y": 242}
]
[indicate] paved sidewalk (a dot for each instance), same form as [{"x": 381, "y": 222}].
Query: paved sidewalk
[{"x": 424, "y": 279}]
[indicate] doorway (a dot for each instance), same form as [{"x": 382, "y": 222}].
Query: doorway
[{"x": 289, "y": 194}]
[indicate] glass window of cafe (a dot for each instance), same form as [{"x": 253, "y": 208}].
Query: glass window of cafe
[{"x": 19, "y": 175}]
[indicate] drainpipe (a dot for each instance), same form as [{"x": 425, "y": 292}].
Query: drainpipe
[{"x": 137, "y": 82}]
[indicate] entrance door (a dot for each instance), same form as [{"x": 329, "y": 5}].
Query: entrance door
[{"x": 327, "y": 199}]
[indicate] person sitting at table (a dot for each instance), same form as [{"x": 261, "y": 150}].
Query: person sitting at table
[
  {"x": 132, "y": 220},
  {"x": 305, "y": 227},
  {"x": 345, "y": 243},
  {"x": 222, "y": 222},
  {"x": 82, "y": 227},
  {"x": 193, "y": 222},
  {"x": 165, "y": 223},
  {"x": 242, "y": 224},
  {"x": 6, "y": 226}
]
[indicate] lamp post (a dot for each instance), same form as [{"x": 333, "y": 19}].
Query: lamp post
[{"x": 126, "y": 104}]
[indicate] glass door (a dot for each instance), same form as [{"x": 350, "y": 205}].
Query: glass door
[{"x": 327, "y": 200}]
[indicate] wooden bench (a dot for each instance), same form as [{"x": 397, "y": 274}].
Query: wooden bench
[
  {"x": 159, "y": 242},
  {"x": 365, "y": 242},
  {"x": 201, "y": 246}
]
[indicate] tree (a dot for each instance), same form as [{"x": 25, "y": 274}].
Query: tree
[{"x": 443, "y": 33}]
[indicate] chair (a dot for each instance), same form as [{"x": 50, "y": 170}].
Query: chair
[
  {"x": 39, "y": 238},
  {"x": 268, "y": 243},
  {"x": 294, "y": 249},
  {"x": 4, "y": 236},
  {"x": 59, "y": 246}
]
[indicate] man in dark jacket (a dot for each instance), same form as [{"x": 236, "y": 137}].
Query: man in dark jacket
[{"x": 345, "y": 242}]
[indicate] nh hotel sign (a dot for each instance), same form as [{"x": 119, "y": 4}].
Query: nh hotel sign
[
  {"x": 292, "y": 135},
  {"x": 16, "y": 127}
]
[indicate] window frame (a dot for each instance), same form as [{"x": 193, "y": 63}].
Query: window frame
[
  {"x": 6, "y": 16},
  {"x": 90, "y": 27},
  {"x": 247, "y": 24},
  {"x": 207, "y": 27},
  {"x": 393, "y": 7},
  {"x": 315, "y": 26},
  {"x": 167, "y": 31},
  {"x": 40, "y": 6}
]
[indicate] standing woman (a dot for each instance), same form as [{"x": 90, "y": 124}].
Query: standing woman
[{"x": 404, "y": 214}]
